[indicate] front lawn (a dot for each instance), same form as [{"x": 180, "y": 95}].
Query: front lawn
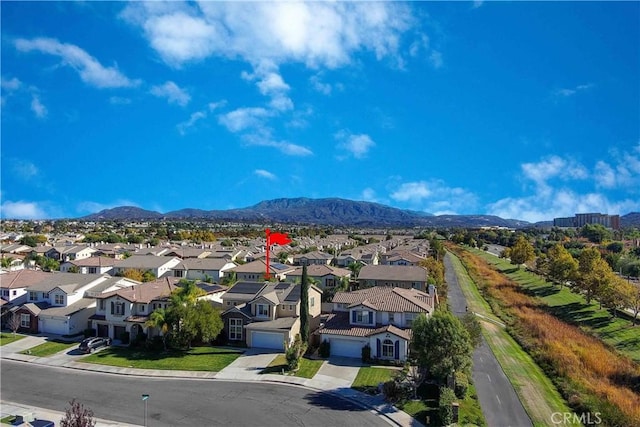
[
  {"x": 196, "y": 359},
  {"x": 48, "y": 348},
  {"x": 9, "y": 338},
  {"x": 306, "y": 369},
  {"x": 370, "y": 377}
]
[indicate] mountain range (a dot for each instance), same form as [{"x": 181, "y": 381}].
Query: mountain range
[{"x": 329, "y": 211}]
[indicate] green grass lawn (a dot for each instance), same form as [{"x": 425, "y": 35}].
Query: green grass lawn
[
  {"x": 573, "y": 308},
  {"x": 48, "y": 348},
  {"x": 370, "y": 376},
  {"x": 196, "y": 359},
  {"x": 306, "y": 369},
  {"x": 9, "y": 338}
]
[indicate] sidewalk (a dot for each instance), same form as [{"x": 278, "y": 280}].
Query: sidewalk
[
  {"x": 335, "y": 376},
  {"x": 30, "y": 413}
]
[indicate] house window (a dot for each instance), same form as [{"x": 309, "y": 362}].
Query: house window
[
  {"x": 387, "y": 348},
  {"x": 14, "y": 293},
  {"x": 58, "y": 299},
  {"x": 33, "y": 296},
  {"x": 93, "y": 270},
  {"x": 117, "y": 308},
  {"x": 362, "y": 316},
  {"x": 178, "y": 273},
  {"x": 415, "y": 285},
  {"x": 141, "y": 307},
  {"x": 101, "y": 304},
  {"x": 313, "y": 301},
  {"x": 25, "y": 320},
  {"x": 5, "y": 292},
  {"x": 235, "y": 329},
  {"x": 391, "y": 317},
  {"x": 262, "y": 310},
  {"x": 290, "y": 307}
]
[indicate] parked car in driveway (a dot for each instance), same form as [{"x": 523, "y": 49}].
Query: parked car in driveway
[{"x": 89, "y": 345}]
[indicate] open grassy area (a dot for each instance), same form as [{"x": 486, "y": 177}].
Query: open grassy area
[
  {"x": 7, "y": 338},
  {"x": 48, "y": 348},
  {"x": 571, "y": 307},
  {"x": 370, "y": 376},
  {"x": 535, "y": 390},
  {"x": 196, "y": 359},
  {"x": 306, "y": 369}
]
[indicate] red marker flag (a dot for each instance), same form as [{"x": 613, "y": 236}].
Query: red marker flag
[{"x": 278, "y": 239}]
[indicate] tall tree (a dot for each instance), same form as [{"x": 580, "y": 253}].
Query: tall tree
[
  {"x": 14, "y": 323},
  {"x": 441, "y": 345},
  {"x": 522, "y": 252},
  {"x": 304, "y": 306},
  {"x": 159, "y": 319},
  {"x": 618, "y": 295},
  {"x": 562, "y": 265}
]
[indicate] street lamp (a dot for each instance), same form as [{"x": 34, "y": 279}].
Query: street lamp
[{"x": 145, "y": 397}]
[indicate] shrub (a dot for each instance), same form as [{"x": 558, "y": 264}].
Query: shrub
[
  {"x": 124, "y": 337},
  {"x": 461, "y": 385},
  {"x": 445, "y": 410},
  {"x": 392, "y": 391},
  {"x": 366, "y": 353},
  {"x": 294, "y": 352},
  {"x": 154, "y": 344},
  {"x": 325, "y": 349}
]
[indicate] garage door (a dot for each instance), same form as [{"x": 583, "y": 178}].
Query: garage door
[
  {"x": 53, "y": 326},
  {"x": 267, "y": 340},
  {"x": 346, "y": 348}
]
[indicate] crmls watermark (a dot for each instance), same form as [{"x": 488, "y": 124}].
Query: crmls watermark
[{"x": 569, "y": 418}]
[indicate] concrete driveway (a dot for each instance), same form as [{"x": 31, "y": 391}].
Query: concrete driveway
[
  {"x": 248, "y": 366},
  {"x": 337, "y": 372}
]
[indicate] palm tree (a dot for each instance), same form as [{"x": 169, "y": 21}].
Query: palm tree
[
  {"x": 160, "y": 319},
  {"x": 6, "y": 262}
]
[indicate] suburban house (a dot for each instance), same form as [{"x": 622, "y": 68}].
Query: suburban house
[
  {"x": 379, "y": 317},
  {"x": 160, "y": 266},
  {"x": 254, "y": 271},
  {"x": 266, "y": 314},
  {"x": 127, "y": 310},
  {"x": 407, "y": 277},
  {"x": 346, "y": 258},
  {"x": 312, "y": 258},
  {"x": 91, "y": 265},
  {"x": 402, "y": 258},
  {"x": 202, "y": 268},
  {"x": 14, "y": 284},
  {"x": 188, "y": 252},
  {"x": 325, "y": 276},
  {"x": 60, "y": 303},
  {"x": 69, "y": 253}
]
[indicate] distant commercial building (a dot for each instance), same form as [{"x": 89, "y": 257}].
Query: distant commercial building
[{"x": 582, "y": 219}]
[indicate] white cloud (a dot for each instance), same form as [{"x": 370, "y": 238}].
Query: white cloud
[
  {"x": 119, "y": 100},
  {"x": 436, "y": 59},
  {"x": 411, "y": 191},
  {"x": 551, "y": 198},
  {"x": 264, "y": 139},
  {"x": 314, "y": 33},
  {"x": 21, "y": 210},
  {"x": 244, "y": 118},
  {"x": 477, "y": 3},
  {"x": 37, "y": 107},
  {"x": 10, "y": 85},
  {"x": 173, "y": 93},
  {"x": 435, "y": 197},
  {"x": 357, "y": 145},
  {"x": 25, "y": 169},
  {"x": 193, "y": 119},
  {"x": 90, "y": 70},
  {"x": 270, "y": 83},
  {"x": 369, "y": 195},
  {"x": 566, "y": 92},
  {"x": 265, "y": 174}
]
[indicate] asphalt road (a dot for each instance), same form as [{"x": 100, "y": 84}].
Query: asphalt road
[
  {"x": 179, "y": 402},
  {"x": 499, "y": 402}
]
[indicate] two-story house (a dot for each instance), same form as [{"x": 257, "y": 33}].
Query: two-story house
[
  {"x": 160, "y": 266},
  {"x": 403, "y": 276},
  {"x": 325, "y": 276},
  {"x": 91, "y": 265},
  {"x": 266, "y": 315},
  {"x": 203, "y": 268},
  {"x": 58, "y": 304},
  {"x": 255, "y": 271},
  {"x": 312, "y": 258},
  {"x": 127, "y": 310},
  {"x": 378, "y": 317}
]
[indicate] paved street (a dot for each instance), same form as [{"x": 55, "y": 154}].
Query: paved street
[{"x": 499, "y": 402}]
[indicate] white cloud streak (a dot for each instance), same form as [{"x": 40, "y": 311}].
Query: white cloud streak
[
  {"x": 172, "y": 92},
  {"x": 88, "y": 67},
  {"x": 357, "y": 145},
  {"x": 21, "y": 210},
  {"x": 265, "y": 174},
  {"x": 38, "y": 107},
  {"x": 567, "y": 92}
]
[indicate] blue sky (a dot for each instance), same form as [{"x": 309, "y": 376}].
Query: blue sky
[{"x": 526, "y": 110}]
